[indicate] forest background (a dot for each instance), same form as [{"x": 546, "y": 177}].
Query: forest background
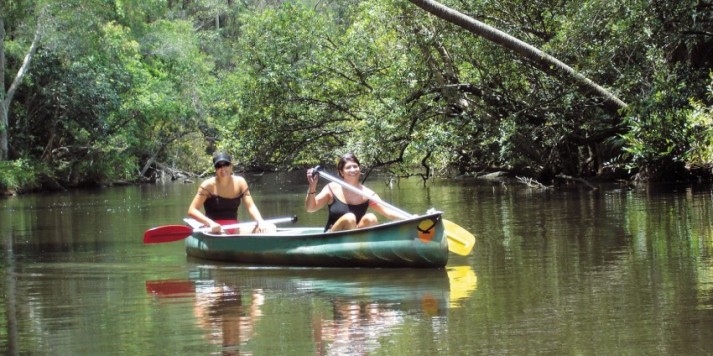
[{"x": 101, "y": 91}]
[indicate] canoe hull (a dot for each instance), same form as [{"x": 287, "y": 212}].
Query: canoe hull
[{"x": 418, "y": 242}]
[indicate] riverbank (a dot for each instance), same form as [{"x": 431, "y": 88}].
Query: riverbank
[{"x": 14, "y": 183}]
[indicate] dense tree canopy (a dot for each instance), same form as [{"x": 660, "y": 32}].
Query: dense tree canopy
[{"x": 123, "y": 89}]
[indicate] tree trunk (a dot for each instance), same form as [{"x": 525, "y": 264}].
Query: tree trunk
[
  {"x": 7, "y": 97},
  {"x": 3, "y": 109},
  {"x": 542, "y": 60}
]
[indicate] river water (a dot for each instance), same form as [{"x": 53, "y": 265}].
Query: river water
[{"x": 617, "y": 270}]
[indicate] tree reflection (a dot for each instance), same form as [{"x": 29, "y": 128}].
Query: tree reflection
[{"x": 10, "y": 293}]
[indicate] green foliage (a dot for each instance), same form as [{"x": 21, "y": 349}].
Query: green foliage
[
  {"x": 660, "y": 136},
  {"x": 21, "y": 174},
  {"x": 285, "y": 104},
  {"x": 700, "y": 125},
  {"x": 117, "y": 87},
  {"x": 643, "y": 51},
  {"x": 650, "y": 53}
]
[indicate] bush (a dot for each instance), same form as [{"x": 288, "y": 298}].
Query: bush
[
  {"x": 21, "y": 175},
  {"x": 700, "y": 122}
]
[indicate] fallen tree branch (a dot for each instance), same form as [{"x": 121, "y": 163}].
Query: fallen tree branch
[
  {"x": 531, "y": 183},
  {"x": 580, "y": 180},
  {"x": 173, "y": 173}
]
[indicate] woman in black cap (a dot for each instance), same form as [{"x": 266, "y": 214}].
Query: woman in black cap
[{"x": 221, "y": 195}]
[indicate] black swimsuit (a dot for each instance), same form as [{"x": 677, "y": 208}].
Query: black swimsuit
[
  {"x": 220, "y": 208},
  {"x": 338, "y": 208}
]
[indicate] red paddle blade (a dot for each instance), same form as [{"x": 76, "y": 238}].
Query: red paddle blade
[
  {"x": 167, "y": 233},
  {"x": 171, "y": 288}
]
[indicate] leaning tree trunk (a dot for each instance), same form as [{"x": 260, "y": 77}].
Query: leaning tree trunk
[
  {"x": 3, "y": 108},
  {"x": 542, "y": 60},
  {"x": 6, "y": 98}
]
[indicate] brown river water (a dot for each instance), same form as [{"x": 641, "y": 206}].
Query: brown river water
[{"x": 612, "y": 271}]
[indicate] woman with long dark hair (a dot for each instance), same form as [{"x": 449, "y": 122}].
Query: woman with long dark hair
[{"x": 346, "y": 209}]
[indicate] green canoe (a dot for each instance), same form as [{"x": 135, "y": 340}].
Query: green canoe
[{"x": 417, "y": 242}]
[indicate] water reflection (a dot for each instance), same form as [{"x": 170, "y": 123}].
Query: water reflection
[
  {"x": 10, "y": 293},
  {"x": 230, "y": 319},
  {"x": 353, "y": 328},
  {"x": 352, "y": 309},
  {"x": 463, "y": 282},
  {"x": 567, "y": 271}
]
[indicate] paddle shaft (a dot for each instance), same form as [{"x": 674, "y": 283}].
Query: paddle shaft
[
  {"x": 359, "y": 191},
  {"x": 248, "y": 224},
  {"x": 179, "y": 232}
]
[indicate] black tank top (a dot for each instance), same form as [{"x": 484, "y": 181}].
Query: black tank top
[
  {"x": 219, "y": 208},
  {"x": 339, "y": 208}
]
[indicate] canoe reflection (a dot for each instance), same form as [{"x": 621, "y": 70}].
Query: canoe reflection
[{"x": 353, "y": 307}]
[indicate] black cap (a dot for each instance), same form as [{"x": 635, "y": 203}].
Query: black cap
[{"x": 221, "y": 157}]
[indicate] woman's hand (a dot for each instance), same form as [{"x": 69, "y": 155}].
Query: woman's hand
[
  {"x": 264, "y": 227},
  {"x": 215, "y": 228},
  {"x": 312, "y": 178}
]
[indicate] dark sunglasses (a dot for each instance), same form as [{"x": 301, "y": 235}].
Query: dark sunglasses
[{"x": 222, "y": 164}]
